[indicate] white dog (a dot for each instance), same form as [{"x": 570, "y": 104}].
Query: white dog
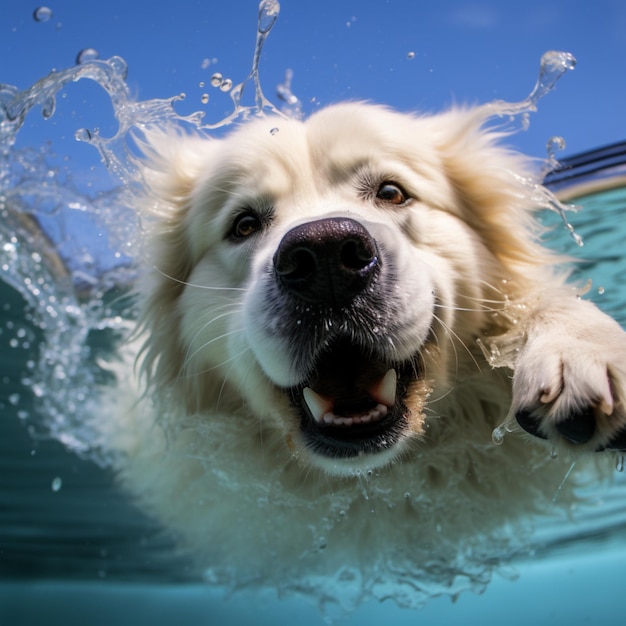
[{"x": 314, "y": 341}]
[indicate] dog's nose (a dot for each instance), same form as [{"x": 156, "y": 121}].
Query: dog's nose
[{"x": 328, "y": 261}]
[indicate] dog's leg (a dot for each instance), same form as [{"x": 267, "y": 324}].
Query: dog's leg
[{"x": 569, "y": 383}]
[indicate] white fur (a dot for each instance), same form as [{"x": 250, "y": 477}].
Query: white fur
[{"x": 229, "y": 468}]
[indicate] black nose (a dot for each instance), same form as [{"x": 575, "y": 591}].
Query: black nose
[{"x": 328, "y": 261}]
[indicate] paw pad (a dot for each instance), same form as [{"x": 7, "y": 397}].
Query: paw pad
[{"x": 577, "y": 428}]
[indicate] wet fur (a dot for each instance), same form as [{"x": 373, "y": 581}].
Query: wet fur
[{"x": 228, "y": 467}]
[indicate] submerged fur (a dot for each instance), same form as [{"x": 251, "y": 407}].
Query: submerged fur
[{"x": 234, "y": 465}]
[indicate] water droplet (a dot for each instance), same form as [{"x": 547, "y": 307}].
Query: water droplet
[
  {"x": 410, "y": 55},
  {"x": 42, "y": 14},
  {"x": 87, "y": 54},
  {"x": 48, "y": 107},
  {"x": 226, "y": 85},
  {"x": 57, "y": 483},
  {"x": 601, "y": 290},
  {"x": 119, "y": 66},
  {"x": 14, "y": 399},
  {"x": 274, "y": 130},
  {"x": 555, "y": 144},
  {"x": 268, "y": 13},
  {"x": 619, "y": 463},
  {"x": 216, "y": 79},
  {"x": 83, "y": 134},
  {"x": 578, "y": 240},
  {"x": 204, "y": 98},
  {"x": 497, "y": 436}
]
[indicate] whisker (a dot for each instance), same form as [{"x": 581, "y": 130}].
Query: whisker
[
  {"x": 218, "y": 365},
  {"x": 483, "y": 309},
  {"x": 204, "y": 346},
  {"x": 194, "y": 285},
  {"x": 493, "y": 287},
  {"x": 450, "y": 332},
  {"x": 489, "y": 300},
  {"x": 446, "y": 393},
  {"x": 230, "y": 369},
  {"x": 228, "y": 310}
]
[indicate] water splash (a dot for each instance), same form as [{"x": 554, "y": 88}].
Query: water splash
[
  {"x": 553, "y": 145},
  {"x": 556, "y": 144},
  {"x": 111, "y": 75},
  {"x": 43, "y": 217},
  {"x": 293, "y": 105},
  {"x": 552, "y": 67},
  {"x": 268, "y": 14}
]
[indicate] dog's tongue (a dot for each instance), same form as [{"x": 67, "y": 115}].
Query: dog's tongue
[{"x": 326, "y": 410}]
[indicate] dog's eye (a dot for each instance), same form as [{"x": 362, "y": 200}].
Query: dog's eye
[
  {"x": 391, "y": 193},
  {"x": 245, "y": 225}
]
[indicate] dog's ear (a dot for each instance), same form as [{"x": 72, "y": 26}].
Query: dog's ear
[
  {"x": 172, "y": 165},
  {"x": 498, "y": 190}
]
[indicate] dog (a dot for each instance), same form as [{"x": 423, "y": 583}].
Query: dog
[{"x": 338, "y": 314}]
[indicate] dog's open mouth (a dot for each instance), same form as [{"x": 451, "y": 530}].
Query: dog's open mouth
[{"x": 353, "y": 402}]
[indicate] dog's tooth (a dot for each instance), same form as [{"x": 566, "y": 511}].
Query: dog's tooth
[
  {"x": 318, "y": 405},
  {"x": 385, "y": 391}
]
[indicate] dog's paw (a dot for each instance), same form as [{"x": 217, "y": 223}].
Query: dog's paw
[{"x": 569, "y": 387}]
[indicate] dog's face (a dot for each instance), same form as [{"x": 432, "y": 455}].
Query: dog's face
[{"x": 325, "y": 277}]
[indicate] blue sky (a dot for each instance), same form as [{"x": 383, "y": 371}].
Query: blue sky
[{"x": 465, "y": 52}]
